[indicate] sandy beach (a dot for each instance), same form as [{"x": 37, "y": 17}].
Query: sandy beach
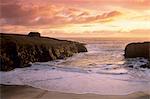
[{"x": 27, "y": 92}]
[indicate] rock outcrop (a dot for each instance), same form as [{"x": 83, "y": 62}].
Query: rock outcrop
[
  {"x": 134, "y": 50},
  {"x": 19, "y": 50}
]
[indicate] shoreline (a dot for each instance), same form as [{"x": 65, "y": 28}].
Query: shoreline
[
  {"x": 25, "y": 49},
  {"x": 28, "y": 92}
]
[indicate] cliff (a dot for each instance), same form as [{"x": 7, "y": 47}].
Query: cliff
[{"x": 19, "y": 50}]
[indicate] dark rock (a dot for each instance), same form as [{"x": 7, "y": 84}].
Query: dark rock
[
  {"x": 145, "y": 65},
  {"x": 34, "y": 34},
  {"x": 131, "y": 66},
  {"x": 80, "y": 47},
  {"x": 108, "y": 64},
  {"x": 141, "y": 61},
  {"x": 134, "y": 50},
  {"x": 89, "y": 70},
  {"x": 19, "y": 50}
]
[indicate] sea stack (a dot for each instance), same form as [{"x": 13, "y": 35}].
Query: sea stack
[
  {"x": 20, "y": 50},
  {"x": 134, "y": 50}
]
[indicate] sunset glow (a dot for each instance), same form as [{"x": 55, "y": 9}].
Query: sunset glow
[{"x": 77, "y": 18}]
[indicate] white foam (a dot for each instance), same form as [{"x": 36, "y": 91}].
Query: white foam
[{"x": 72, "y": 80}]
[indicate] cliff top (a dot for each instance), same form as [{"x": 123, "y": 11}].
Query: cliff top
[{"x": 28, "y": 39}]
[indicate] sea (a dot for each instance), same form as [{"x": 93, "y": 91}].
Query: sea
[{"x": 102, "y": 70}]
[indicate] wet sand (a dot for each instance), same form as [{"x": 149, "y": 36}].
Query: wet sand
[{"x": 27, "y": 92}]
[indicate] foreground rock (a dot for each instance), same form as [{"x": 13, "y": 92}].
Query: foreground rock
[
  {"x": 134, "y": 50},
  {"x": 19, "y": 50}
]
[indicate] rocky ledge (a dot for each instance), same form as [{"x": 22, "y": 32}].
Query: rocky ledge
[
  {"x": 19, "y": 50},
  {"x": 134, "y": 50}
]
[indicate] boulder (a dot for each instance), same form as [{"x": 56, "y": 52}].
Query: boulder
[{"x": 134, "y": 50}]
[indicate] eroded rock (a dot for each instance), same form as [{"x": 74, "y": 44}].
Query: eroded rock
[
  {"x": 134, "y": 50},
  {"x": 19, "y": 50}
]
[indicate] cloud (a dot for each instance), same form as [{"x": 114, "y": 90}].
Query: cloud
[
  {"x": 129, "y": 4},
  {"x": 14, "y": 13},
  {"x": 70, "y": 15},
  {"x": 27, "y": 15},
  {"x": 104, "y": 17}
]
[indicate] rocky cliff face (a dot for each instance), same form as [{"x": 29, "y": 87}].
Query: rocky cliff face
[{"x": 19, "y": 50}]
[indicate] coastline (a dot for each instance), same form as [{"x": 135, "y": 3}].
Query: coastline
[
  {"x": 27, "y": 92},
  {"x": 54, "y": 77},
  {"x": 19, "y": 51}
]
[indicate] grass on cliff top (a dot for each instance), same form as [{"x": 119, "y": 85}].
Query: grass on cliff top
[{"x": 26, "y": 40}]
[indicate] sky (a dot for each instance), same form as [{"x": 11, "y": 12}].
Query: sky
[{"x": 76, "y": 18}]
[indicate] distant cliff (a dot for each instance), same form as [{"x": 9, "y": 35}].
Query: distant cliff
[{"x": 19, "y": 50}]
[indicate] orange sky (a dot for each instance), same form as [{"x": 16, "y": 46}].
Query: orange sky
[{"x": 77, "y": 18}]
